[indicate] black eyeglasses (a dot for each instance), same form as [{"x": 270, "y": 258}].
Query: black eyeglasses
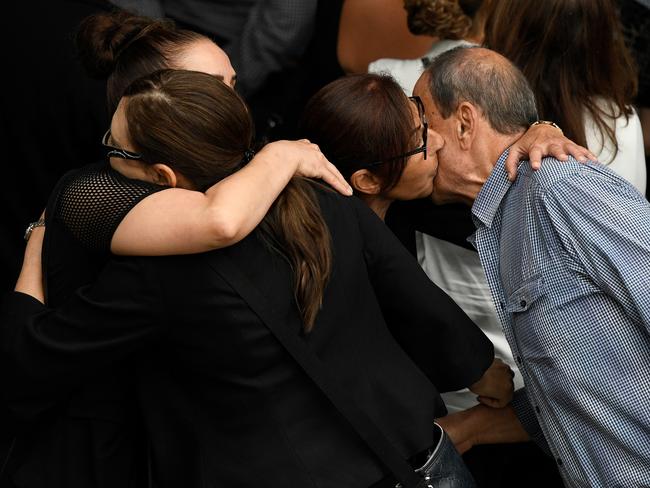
[
  {"x": 116, "y": 152},
  {"x": 425, "y": 131}
]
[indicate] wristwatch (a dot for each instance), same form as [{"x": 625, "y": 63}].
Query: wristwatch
[
  {"x": 547, "y": 122},
  {"x": 39, "y": 223}
]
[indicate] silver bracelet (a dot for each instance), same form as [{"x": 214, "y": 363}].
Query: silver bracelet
[{"x": 39, "y": 223}]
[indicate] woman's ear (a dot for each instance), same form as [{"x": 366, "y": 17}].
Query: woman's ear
[
  {"x": 163, "y": 175},
  {"x": 364, "y": 181}
]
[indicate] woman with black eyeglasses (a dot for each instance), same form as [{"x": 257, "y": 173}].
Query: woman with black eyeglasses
[{"x": 376, "y": 136}]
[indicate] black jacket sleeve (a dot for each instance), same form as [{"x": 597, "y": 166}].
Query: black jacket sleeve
[
  {"x": 46, "y": 353},
  {"x": 438, "y": 336}
]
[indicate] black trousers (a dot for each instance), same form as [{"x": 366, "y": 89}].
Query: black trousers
[{"x": 512, "y": 465}]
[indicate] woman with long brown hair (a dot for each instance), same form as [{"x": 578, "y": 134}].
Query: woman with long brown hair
[
  {"x": 223, "y": 402},
  {"x": 574, "y": 56},
  {"x": 97, "y": 210}
]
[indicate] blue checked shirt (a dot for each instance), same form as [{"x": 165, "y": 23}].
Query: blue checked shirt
[{"x": 566, "y": 251}]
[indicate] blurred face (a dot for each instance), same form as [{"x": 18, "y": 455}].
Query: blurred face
[
  {"x": 207, "y": 57},
  {"x": 419, "y": 173}
]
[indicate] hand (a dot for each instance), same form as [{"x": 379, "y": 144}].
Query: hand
[
  {"x": 460, "y": 428},
  {"x": 495, "y": 388},
  {"x": 483, "y": 425},
  {"x": 543, "y": 140},
  {"x": 311, "y": 163}
]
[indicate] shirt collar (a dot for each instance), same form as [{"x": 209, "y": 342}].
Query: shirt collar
[{"x": 489, "y": 198}]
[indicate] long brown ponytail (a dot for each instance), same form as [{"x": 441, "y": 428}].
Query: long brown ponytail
[
  {"x": 202, "y": 129},
  {"x": 295, "y": 228}
]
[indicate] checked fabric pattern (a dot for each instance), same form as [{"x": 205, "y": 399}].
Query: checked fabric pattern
[{"x": 566, "y": 251}]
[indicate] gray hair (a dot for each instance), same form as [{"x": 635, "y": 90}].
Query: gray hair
[{"x": 476, "y": 75}]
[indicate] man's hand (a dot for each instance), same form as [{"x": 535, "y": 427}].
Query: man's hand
[
  {"x": 483, "y": 425},
  {"x": 543, "y": 140},
  {"x": 495, "y": 387}
]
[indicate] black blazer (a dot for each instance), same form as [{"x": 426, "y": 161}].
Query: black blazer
[{"x": 223, "y": 402}]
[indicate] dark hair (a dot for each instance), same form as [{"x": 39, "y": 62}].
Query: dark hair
[
  {"x": 201, "y": 128},
  {"x": 445, "y": 19},
  {"x": 571, "y": 52},
  {"x": 122, "y": 47},
  {"x": 360, "y": 119},
  {"x": 488, "y": 81}
]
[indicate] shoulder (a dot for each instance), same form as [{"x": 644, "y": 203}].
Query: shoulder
[
  {"x": 333, "y": 205},
  {"x": 347, "y": 215},
  {"x": 586, "y": 190},
  {"x": 404, "y": 71},
  {"x": 554, "y": 173}
]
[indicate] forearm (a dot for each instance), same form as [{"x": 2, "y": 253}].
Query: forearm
[
  {"x": 237, "y": 204},
  {"x": 30, "y": 280},
  {"x": 177, "y": 221},
  {"x": 483, "y": 425}
]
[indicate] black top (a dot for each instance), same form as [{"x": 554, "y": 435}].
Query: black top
[
  {"x": 451, "y": 222},
  {"x": 83, "y": 212},
  {"x": 223, "y": 402},
  {"x": 91, "y": 438}
]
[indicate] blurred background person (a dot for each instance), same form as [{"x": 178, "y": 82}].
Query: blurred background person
[
  {"x": 450, "y": 22},
  {"x": 635, "y": 19},
  {"x": 374, "y": 29},
  {"x": 584, "y": 78},
  {"x": 283, "y": 51}
]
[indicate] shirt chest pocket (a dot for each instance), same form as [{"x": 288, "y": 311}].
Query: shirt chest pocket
[{"x": 526, "y": 295}]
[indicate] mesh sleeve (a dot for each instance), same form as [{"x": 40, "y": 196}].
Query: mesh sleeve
[{"x": 94, "y": 201}]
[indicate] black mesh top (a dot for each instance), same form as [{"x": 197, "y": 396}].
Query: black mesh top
[
  {"x": 82, "y": 215},
  {"x": 94, "y": 201}
]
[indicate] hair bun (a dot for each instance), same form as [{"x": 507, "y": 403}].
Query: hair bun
[
  {"x": 444, "y": 19},
  {"x": 101, "y": 38}
]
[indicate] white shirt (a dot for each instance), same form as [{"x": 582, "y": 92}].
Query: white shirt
[
  {"x": 630, "y": 159},
  {"x": 407, "y": 71}
]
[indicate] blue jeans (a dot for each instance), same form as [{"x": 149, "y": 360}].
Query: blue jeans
[{"x": 445, "y": 468}]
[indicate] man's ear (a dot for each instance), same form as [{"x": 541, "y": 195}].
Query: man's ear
[
  {"x": 163, "y": 175},
  {"x": 467, "y": 120},
  {"x": 364, "y": 181}
]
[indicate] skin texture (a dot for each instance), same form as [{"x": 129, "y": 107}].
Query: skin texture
[
  {"x": 374, "y": 29},
  {"x": 207, "y": 57},
  {"x": 416, "y": 180}
]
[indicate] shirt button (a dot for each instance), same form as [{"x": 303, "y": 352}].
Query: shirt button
[
  {"x": 558, "y": 461},
  {"x": 522, "y": 303},
  {"x": 503, "y": 305},
  {"x": 537, "y": 409},
  {"x": 519, "y": 359}
]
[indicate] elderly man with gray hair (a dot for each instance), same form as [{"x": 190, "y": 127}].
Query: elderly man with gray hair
[{"x": 566, "y": 252}]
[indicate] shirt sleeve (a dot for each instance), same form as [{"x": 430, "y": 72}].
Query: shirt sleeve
[
  {"x": 94, "y": 200},
  {"x": 46, "y": 353},
  {"x": 604, "y": 225},
  {"x": 275, "y": 35},
  {"x": 427, "y": 323}
]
